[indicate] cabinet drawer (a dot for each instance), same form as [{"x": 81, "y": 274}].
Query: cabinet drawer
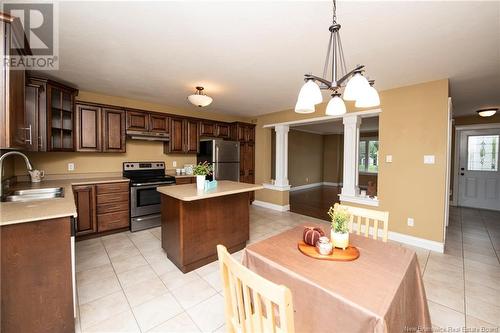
[
  {"x": 111, "y": 221},
  {"x": 112, "y": 188},
  {"x": 112, "y": 197},
  {"x": 185, "y": 180},
  {"x": 112, "y": 207}
]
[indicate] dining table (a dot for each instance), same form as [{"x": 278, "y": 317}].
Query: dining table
[{"x": 381, "y": 291}]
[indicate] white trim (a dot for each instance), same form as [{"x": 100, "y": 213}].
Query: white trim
[
  {"x": 331, "y": 184},
  {"x": 276, "y": 187},
  {"x": 362, "y": 114},
  {"x": 281, "y": 169},
  {"x": 351, "y": 151},
  {"x": 311, "y": 185},
  {"x": 476, "y": 126},
  {"x": 407, "y": 239},
  {"x": 271, "y": 206},
  {"x": 359, "y": 200}
]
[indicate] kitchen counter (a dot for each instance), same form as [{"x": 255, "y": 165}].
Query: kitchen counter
[
  {"x": 22, "y": 212},
  {"x": 189, "y": 192},
  {"x": 180, "y": 176}
]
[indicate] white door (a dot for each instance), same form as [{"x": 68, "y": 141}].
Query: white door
[{"x": 479, "y": 174}]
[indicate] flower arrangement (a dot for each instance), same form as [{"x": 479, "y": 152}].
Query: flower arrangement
[
  {"x": 340, "y": 220},
  {"x": 203, "y": 169}
]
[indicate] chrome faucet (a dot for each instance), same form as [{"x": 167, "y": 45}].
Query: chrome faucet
[{"x": 4, "y": 156}]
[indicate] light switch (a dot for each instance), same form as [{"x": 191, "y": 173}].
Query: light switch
[
  {"x": 174, "y": 164},
  {"x": 71, "y": 166},
  {"x": 429, "y": 159},
  {"x": 388, "y": 158}
]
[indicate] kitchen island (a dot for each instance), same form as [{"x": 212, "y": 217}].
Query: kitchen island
[{"x": 193, "y": 222}]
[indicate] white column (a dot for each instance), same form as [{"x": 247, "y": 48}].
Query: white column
[
  {"x": 351, "y": 147},
  {"x": 281, "y": 155}
]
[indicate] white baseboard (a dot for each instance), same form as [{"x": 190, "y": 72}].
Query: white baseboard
[
  {"x": 306, "y": 186},
  {"x": 271, "y": 206},
  {"x": 407, "y": 239}
]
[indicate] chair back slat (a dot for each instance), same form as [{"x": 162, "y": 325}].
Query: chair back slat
[
  {"x": 252, "y": 303},
  {"x": 366, "y": 215}
]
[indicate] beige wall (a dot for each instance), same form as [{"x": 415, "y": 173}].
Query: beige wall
[
  {"x": 413, "y": 123},
  {"x": 333, "y": 151},
  {"x": 305, "y": 158},
  {"x": 56, "y": 162}
]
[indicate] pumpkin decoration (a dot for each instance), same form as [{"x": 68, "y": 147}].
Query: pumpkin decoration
[{"x": 311, "y": 235}]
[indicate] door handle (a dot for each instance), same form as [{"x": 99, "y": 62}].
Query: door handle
[{"x": 30, "y": 140}]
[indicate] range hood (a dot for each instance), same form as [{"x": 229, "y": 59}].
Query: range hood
[{"x": 149, "y": 136}]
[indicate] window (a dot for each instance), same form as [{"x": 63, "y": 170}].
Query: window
[
  {"x": 368, "y": 155},
  {"x": 482, "y": 152}
]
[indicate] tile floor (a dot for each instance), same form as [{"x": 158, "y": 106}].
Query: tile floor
[{"x": 125, "y": 283}]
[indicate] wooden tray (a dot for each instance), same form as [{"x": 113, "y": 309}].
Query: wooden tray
[{"x": 349, "y": 254}]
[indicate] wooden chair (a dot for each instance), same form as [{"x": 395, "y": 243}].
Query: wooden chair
[
  {"x": 252, "y": 303},
  {"x": 364, "y": 216}
]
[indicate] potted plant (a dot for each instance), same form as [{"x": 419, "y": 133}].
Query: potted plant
[
  {"x": 201, "y": 171},
  {"x": 340, "y": 227}
]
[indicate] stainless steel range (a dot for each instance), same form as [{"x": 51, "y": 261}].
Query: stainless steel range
[{"x": 145, "y": 177}]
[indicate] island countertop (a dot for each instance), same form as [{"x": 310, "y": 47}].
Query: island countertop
[{"x": 188, "y": 192}]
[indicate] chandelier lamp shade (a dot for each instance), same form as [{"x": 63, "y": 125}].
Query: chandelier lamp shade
[
  {"x": 354, "y": 85},
  {"x": 199, "y": 98},
  {"x": 487, "y": 112}
]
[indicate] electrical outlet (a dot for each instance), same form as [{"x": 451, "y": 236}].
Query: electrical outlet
[
  {"x": 71, "y": 166},
  {"x": 307, "y": 180},
  {"x": 174, "y": 164},
  {"x": 411, "y": 222},
  {"x": 429, "y": 159}
]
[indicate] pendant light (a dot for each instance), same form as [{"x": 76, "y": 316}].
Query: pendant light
[
  {"x": 369, "y": 99},
  {"x": 336, "y": 106},
  {"x": 487, "y": 112},
  {"x": 355, "y": 85},
  {"x": 199, "y": 98}
]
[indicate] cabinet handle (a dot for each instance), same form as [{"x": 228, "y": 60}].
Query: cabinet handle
[{"x": 30, "y": 140}]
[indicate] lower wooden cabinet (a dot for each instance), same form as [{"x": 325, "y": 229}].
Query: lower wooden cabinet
[
  {"x": 185, "y": 180},
  {"x": 101, "y": 208},
  {"x": 36, "y": 288}
]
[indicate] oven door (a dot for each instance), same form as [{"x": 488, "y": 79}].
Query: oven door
[{"x": 144, "y": 200}]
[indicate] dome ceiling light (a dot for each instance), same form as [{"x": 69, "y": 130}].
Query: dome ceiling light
[
  {"x": 487, "y": 112},
  {"x": 355, "y": 86},
  {"x": 199, "y": 98}
]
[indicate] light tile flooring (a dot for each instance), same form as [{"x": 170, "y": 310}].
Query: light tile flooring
[{"x": 125, "y": 283}]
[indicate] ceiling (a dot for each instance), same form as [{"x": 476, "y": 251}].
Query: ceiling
[
  {"x": 251, "y": 56},
  {"x": 368, "y": 124}
]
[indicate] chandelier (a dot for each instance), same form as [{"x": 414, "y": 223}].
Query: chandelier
[{"x": 354, "y": 85}]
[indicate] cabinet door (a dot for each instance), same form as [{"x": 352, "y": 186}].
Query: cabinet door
[
  {"x": 32, "y": 114},
  {"x": 158, "y": 123},
  {"x": 113, "y": 133},
  {"x": 242, "y": 161},
  {"x": 249, "y": 133},
  {"x": 191, "y": 137},
  {"x": 86, "y": 222},
  {"x": 88, "y": 128},
  {"x": 176, "y": 143},
  {"x": 207, "y": 128},
  {"x": 222, "y": 130},
  {"x": 250, "y": 159},
  {"x": 137, "y": 121}
]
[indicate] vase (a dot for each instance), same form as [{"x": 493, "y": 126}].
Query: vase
[
  {"x": 340, "y": 240},
  {"x": 200, "y": 182}
]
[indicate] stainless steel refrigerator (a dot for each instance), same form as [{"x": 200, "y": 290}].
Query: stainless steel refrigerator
[{"x": 224, "y": 156}]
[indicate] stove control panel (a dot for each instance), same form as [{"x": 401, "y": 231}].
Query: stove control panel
[{"x": 129, "y": 166}]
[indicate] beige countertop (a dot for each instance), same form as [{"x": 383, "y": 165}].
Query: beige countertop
[
  {"x": 21, "y": 212},
  {"x": 179, "y": 176},
  {"x": 189, "y": 192}
]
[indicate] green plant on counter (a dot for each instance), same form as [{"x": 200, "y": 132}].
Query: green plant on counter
[
  {"x": 340, "y": 220},
  {"x": 203, "y": 169}
]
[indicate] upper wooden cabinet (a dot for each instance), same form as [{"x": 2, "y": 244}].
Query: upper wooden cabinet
[
  {"x": 207, "y": 128},
  {"x": 243, "y": 132},
  {"x": 222, "y": 130},
  {"x": 137, "y": 120},
  {"x": 113, "y": 131},
  {"x": 159, "y": 123},
  {"x": 14, "y": 131},
  {"x": 184, "y": 136},
  {"x": 100, "y": 128}
]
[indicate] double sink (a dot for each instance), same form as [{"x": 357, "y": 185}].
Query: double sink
[{"x": 35, "y": 194}]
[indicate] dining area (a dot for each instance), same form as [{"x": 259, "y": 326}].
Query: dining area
[{"x": 294, "y": 281}]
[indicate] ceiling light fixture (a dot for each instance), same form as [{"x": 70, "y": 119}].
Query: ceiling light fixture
[
  {"x": 487, "y": 112},
  {"x": 199, "y": 98},
  {"x": 357, "y": 88}
]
